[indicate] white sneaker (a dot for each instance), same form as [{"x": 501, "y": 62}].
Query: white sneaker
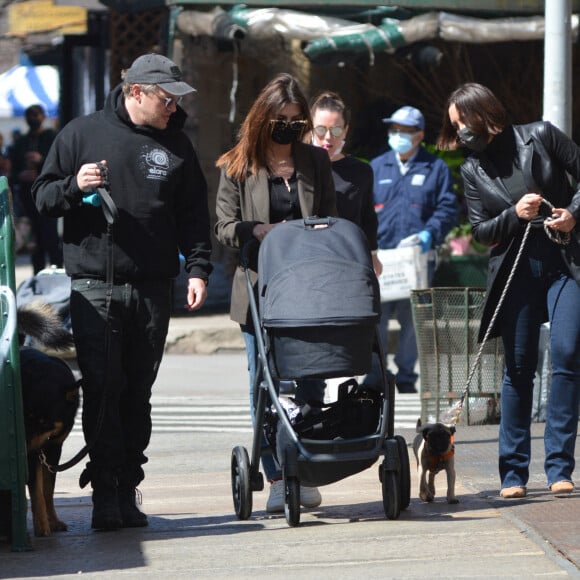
[
  {"x": 276, "y": 498},
  {"x": 310, "y": 497}
]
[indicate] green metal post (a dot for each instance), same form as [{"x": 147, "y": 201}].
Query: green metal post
[{"x": 13, "y": 461}]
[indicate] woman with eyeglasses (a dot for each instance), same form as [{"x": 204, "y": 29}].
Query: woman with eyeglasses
[
  {"x": 269, "y": 177},
  {"x": 515, "y": 176},
  {"x": 353, "y": 179}
]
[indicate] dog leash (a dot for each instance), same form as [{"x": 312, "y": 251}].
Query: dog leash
[
  {"x": 111, "y": 214},
  {"x": 561, "y": 238}
]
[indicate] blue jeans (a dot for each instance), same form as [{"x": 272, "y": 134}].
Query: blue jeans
[
  {"x": 306, "y": 389},
  {"x": 406, "y": 355},
  {"x": 542, "y": 280}
]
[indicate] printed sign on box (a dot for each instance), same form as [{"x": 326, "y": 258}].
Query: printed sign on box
[{"x": 404, "y": 269}]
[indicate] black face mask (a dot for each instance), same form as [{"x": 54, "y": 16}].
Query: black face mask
[
  {"x": 472, "y": 140},
  {"x": 34, "y": 123},
  {"x": 284, "y": 134}
]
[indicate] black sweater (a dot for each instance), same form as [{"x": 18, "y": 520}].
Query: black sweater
[
  {"x": 353, "y": 180},
  {"x": 155, "y": 181}
]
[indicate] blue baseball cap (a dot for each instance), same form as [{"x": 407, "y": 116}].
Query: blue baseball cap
[{"x": 408, "y": 116}]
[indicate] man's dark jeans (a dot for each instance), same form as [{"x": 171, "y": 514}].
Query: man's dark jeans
[{"x": 124, "y": 373}]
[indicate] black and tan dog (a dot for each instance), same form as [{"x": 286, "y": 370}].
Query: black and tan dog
[
  {"x": 434, "y": 449},
  {"x": 50, "y": 395}
]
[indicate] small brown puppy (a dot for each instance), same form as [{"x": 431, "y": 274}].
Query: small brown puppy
[{"x": 435, "y": 450}]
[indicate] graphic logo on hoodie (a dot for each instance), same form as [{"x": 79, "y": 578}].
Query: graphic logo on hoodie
[{"x": 155, "y": 164}]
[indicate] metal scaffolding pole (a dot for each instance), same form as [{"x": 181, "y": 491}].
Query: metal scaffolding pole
[{"x": 558, "y": 64}]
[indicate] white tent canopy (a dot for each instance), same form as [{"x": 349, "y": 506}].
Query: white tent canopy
[{"x": 22, "y": 86}]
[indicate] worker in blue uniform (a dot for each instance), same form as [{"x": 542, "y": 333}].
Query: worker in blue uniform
[{"x": 414, "y": 198}]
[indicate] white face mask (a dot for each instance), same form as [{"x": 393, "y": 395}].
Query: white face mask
[
  {"x": 338, "y": 149},
  {"x": 401, "y": 142}
]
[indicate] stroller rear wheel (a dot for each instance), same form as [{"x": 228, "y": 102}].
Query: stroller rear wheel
[
  {"x": 241, "y": 490},
  {"x": 292, "y": 501},
  {"x": 404, "y": 472}
]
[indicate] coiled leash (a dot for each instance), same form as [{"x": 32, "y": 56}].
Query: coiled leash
[
  {"x": 561, "y": 238},
  {"x": 556, "y": 236},
  {"x": 101, "y": 198}
]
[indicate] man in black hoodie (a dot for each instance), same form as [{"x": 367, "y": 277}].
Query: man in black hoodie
[{"x": 136, "y": 147}]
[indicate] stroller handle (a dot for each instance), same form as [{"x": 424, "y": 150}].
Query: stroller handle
[
  {"x": 314, "y": 220},
  {"x": 309, "y": 222}
]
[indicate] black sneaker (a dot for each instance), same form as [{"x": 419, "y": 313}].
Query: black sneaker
[{"x": 406, "y": 388}]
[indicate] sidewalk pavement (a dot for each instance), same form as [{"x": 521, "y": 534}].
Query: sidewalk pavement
[
  {"x": 552, "y": 522},
  {"x": 194, "y": 533}
]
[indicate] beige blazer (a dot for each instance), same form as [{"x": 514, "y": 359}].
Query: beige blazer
[{"x": 240, "y": 205}]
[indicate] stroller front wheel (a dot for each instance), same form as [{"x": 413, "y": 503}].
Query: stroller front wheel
[
  {"x": 241, "y": 491},
  {"x": 390, "y": 487},
  {"x": 292, "y": 501},
  {"x": 404, "y": 472}
]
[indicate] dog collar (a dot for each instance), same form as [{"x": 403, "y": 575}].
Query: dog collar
[{"x": 438, "y": 461}]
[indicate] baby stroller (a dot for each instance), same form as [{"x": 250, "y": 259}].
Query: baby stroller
[{"x": 318, "y": 315}]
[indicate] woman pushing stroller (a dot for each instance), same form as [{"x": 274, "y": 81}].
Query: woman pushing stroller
[{"x": 270, "y": 177}]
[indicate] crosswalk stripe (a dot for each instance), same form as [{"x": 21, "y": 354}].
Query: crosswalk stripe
[
  {"x": 407, "y": 411},
  {"x": 200, "y": 414}
]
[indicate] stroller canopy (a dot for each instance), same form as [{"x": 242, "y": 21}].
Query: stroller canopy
[{"x": 312, "y": 275}]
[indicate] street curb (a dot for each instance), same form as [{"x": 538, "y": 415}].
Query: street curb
[
  {"x": 209, "y": 335},
  {"x": 205, "y": 341}
]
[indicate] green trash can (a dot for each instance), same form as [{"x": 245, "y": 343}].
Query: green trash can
[
  {"x": 462, "y": 271},
  {"x": 446, "y": 322},
  {"x": 13, "y": 461}
]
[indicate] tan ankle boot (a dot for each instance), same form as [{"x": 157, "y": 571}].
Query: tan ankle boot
[
  {"x": 562, "y": 487},
  {"x": 515, "y": 492}
]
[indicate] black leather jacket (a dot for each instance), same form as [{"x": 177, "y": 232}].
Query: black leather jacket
[{"x": 547, "y": 158}]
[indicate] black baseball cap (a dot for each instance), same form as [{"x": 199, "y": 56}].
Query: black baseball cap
[{"x": 156, "y": 69}]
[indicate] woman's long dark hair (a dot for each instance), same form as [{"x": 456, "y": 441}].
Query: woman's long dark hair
[
  {"x": 248, "y": 156},
  {"x": 479, "y": 109}
]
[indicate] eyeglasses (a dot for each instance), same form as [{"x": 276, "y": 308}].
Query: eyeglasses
[
  {"x": 281, "y": 124},
  {"x": 321, "y": 130},
  {"x": 168, "y": 101}
]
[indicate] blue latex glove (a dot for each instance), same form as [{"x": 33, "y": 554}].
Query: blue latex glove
[
  {"x": 92, "y": 198},
  {"x": 426, "y": 238}
]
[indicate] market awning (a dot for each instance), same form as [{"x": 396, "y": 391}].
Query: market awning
[
  {"x": 22, "y": 86},
  {"x": 325, "y": 37},
  {"x": 500, "y": 7}
]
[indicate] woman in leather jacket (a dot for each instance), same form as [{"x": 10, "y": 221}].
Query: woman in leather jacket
[{"x": 517, "y": 174}]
